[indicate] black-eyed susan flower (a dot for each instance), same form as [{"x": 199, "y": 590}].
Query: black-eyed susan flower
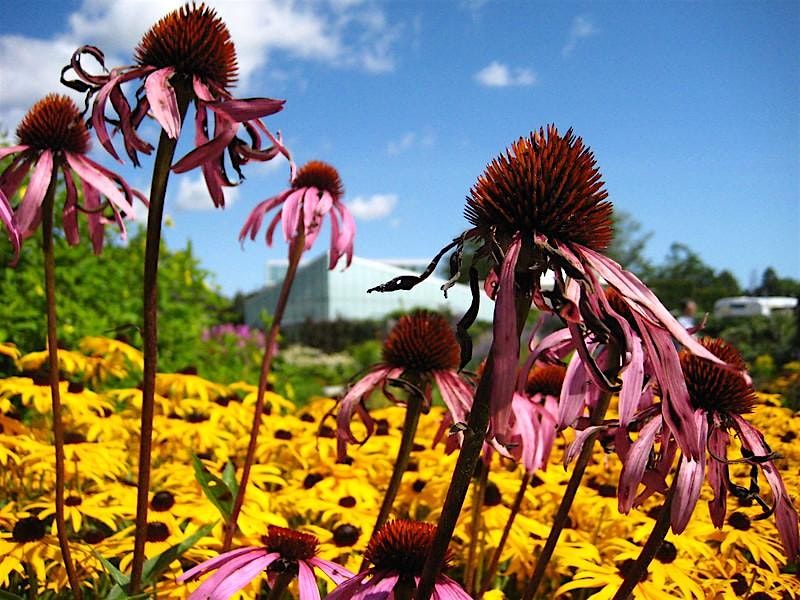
[
  {"x": 186, "y": 56},
  {"x": 397, "y": 552},
  {"x": 315, "y": 191},
  {"x": 284, "y": 551},
  {"x": 52, "y": 139}
]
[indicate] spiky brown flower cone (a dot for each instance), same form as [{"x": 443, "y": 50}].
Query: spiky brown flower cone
[
  {"x": 320, "y": 175},
  {"x": 547, "y": 184},
  {"x": 54, "y": 123},
  {"x": 546, "y": 380},
  {"x": 290, "y": 544},
  {"x": 195, "y": 42},
  {"x": 716, "y": 388},
  {"x": 422, "y": 342},
  {"x": 402, "y": 546}
]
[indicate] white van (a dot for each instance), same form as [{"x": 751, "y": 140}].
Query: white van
[{"x": 751, "y": 306}]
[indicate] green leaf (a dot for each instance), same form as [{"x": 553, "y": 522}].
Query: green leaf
[
  {"x": 118, "y": 576},
  {"x": 117, "y": 593},
  {"x": 229, "y": 477},
  {"x": 220, "y": 492},
  {"x": 154, "y": 567},
  {"x": 9, "y": 596}
]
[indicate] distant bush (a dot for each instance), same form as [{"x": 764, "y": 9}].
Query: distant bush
[{"x": 755, "y": 337}]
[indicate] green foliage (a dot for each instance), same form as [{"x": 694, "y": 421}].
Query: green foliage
[
  {"x": 627, "y": 247},
  {"x": 773, "y": 285},
  {"x": 102, "y": 295},
  {"x": 759, "y": 336},
  {"x": 229, "y": 353},
  {"x": 684, "y": 275}
]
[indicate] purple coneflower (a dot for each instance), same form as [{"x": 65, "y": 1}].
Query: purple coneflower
[
  {"x": 285, "y": 553},
  {"x": 53, "y": 137},
  {"x": 316, "y": 190},
  {"x": 720, "y": 394},
  {"x": 421, "y": 348},
  {"x": 187, "y": 53},
  {"x": 542, "y": 206},
  {"x": 397, "y": 552}
]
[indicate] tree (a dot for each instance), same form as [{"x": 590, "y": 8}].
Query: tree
[
  {"x": 684, "y": 275},
  {"x": 627, "y": 247},
  {"x": 773, "y": 285},
  {"x": 102, "y": 295}
]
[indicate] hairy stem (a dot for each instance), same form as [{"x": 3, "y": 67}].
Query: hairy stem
[
  {"x": 413, "y": 411},
  {"x": 474, "y": 436},
  {"x": 657, "y": 535},
  {"x": 491, "y": 571},
  {"x": 158, "y": 191},
  {"x": 52, "y": 355},
  {"x": 295, "y": 252},
  {"x": 562, "y": 514}
]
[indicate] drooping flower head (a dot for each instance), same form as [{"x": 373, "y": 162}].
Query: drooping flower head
[
  {"x": 52, "y": 137},
  {"x": 316, "y": 190},
  {"x": 397, "y": 552},
  {"x": 420, "y": 349},
  {"x": 186, "y": 56},
  {"x": 285, "y": 550},
  {"x": 720, "y": 394}
]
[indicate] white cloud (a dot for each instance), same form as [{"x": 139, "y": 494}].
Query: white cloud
[
  {"x": 343, "y": 33},
  {"x": 497, "y": 74},
  {"x": 192, "y": 195},
  {"x": 377, "y": 206},
  {"x": 409, "y": 140},
  {"x": 581, "y": 28}
]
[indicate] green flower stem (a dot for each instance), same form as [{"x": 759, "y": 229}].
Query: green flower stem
[
  {"x": 474, "y": 436},
  {"x": 562, "y": 514},
  {"x": 158, "y": 191},
  {"x": 478, "y": 494},
  {"x": 282, "y": 582},
  {"x": 52, "y": 355},
  {"x": 413, "y": 411},
  {"x": 657, "y": 535},
  {"x": 491, "y": 571},
  {"x": 295, "y": 252}
]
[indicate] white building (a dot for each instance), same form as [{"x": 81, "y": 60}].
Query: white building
[{"x": 322, "y": 295}]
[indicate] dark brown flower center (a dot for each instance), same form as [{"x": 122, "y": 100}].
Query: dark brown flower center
[
  {"x": 667, "y": 553},
  {"x": 157, "y": 531},
  {"x": 546, "y": 380},
  {"x": 739, "y": 521},
  {"x": 714, "y": 387},
  {"x": 28, "y": 529},
  {"x": 54, "y": 123},
  {"x": 290, "y": 544},
  {"x": 422, "y": 342},
  {"x": 162, "y": 501},
  {"x": 319, "y": 175},
  {"x": 194, "y": 41},
  {"x": 402, "y": 546},
  {"x": 545, "y": 184},
  {"x": 345, "y": 535},
  {"x": 73, "y": 500}
]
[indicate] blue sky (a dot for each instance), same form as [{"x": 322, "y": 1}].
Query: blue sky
[{"x": 692, "y": 111}]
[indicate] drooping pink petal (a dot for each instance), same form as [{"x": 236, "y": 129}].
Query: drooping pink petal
[
  {"x": 7, "y": 216},
  {"x": 505, "y": 344},
  {"x": 447, "y": 589},
  {"x": 87, "y": 171},
  {"x": 256, "y": 216},
  {"x": 307, "y": 582},
  {"x": 336, "y": 572},
  {"x": 98, "y": 110},
  {"x": 248, "y": 109},
  {"x": 69, "y": 215},
  {"x": 224, "y": 132},
  {"x": 785, "y": 513},
  {"x": 163, "y": 102},
  {"x": 687, "y": 489},
  {"x": 456, "y": 394},
  {"x": 342, "y": 239},
  {"x": 573, "y": 393},
  {"x": 717, "y": 475},
  {"x": 14, "y": 174},
  {"x": 235, "y": 580},
  {"x": 201, "y": 90},
  {"x": 635, "y": 464},
  {"x": 292, "y": 210},
  {"x": 311, "y": 225},
  {"x": 353, "y": 397},
  {"x": 632, "y": 376},
  {"x": 581, "y": 438},
  {"x": 346, "y": 590},
  {"x": 28, "y": 209},
  {"x": 12, "y": 150},
  {"x": 213, "y": 563}
]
